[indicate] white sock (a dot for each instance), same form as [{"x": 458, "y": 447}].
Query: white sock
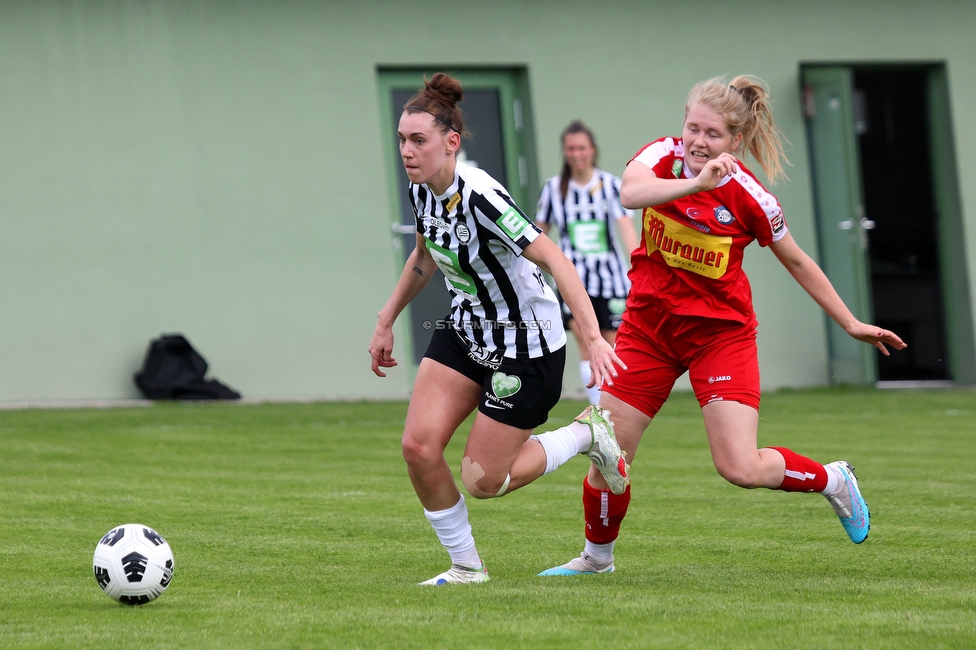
[
  {"x": 454, "y": 531},
  {"x": 601, "y": 553},
  {"x": 592, "y": 394},
  {"x": 835, "y": 481},
  {"x": 564, "y": 443}
]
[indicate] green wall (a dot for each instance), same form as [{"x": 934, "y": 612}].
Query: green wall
[{"x": 217, "y": 169}]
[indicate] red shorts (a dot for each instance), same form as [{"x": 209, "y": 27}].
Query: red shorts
[{"x": 658, "y": 347}]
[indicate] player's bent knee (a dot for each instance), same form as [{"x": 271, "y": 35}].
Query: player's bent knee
[
  {"x": 473, "y": 478},
  {"x": 739, "y": 476},
  {"x": 416, "y": 451},
  {"x": 472, "y": 487},
  {"x": 408, "y": 450}
]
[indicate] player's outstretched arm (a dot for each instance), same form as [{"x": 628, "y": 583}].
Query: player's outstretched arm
[
  {"x": 416, "y": 274},
  {"x": 603, "y": 360},
  {"x": 815, "y": 282},
  {"x": 641, "y": 188}
]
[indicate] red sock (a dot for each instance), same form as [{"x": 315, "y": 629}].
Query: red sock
[
  {"x": 802, "y": 474},
  {"x": 603, "y": 511}
]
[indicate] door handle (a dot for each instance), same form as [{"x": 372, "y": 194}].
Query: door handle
[
  {"x": 398, "y": 229},
  {"x": 848, "y": 224}
]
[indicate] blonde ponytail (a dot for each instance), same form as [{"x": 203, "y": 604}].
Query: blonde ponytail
[{"x": 745, "y": 106}]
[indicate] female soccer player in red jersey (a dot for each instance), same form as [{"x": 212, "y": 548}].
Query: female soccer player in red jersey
[
  {"x": 500, "y": 352},
  {"x": 690, "y": 307}
]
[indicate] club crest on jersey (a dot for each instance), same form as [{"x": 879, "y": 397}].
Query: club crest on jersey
[
  {"x": 462, "y": 233},
  {"x": 722, "y": 215},
  {"x": 676, "y": 167}
]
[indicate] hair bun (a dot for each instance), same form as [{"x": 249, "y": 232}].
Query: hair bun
[
  {"x": 440, "y": 97},
  {"x": 444, "y": 88}
]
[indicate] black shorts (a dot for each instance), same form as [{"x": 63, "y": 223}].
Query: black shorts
[
  {"x": 609, "y": 312},
  {"x": 519, "y": 393}
]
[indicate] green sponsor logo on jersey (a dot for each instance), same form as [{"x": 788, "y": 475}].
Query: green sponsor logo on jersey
[
  {"x": 505, "y": 385},
  {"x": 512, "y": 223},
  {"x": 447, "y": 261},
  {"x": 589, "y": 237}
]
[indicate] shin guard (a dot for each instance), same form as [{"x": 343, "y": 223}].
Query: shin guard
[
  {"x": 603, "y": 511},
  {"x": 802, "y": 474}
]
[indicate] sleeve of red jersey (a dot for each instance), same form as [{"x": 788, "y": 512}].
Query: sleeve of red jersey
[
  {"x": 652, "y": 153},
  {"x": 766, "y": 220}
]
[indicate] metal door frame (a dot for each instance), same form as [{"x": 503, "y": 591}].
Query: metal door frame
[
  {"x": 956, "y": 297},
  {"x": 839, "y": 213}
]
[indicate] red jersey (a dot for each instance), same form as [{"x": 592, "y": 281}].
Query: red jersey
[{"x": 690, "y": 258}]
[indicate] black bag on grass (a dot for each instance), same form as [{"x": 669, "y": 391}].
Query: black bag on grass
[{"x": 172, "y": 369}]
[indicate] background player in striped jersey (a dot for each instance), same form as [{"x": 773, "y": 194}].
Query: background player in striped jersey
[
  {"x": 690, "y": 307},
  {"x": 583, "y": 203},
  {"x": 501, "y": 350}
]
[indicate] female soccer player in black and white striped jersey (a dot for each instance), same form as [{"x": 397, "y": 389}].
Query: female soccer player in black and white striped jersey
[
  {"x": 583, "y": 203},
  {"x": 501, "y": 351}
]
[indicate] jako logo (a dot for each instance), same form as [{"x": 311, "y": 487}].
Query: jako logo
[{"x": 712, "y": 380}]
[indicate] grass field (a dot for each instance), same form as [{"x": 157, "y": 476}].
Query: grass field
[{"x": 294, "y": 526}]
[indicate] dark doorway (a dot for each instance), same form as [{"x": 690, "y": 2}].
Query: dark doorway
[{"x": 892, "y": 125}]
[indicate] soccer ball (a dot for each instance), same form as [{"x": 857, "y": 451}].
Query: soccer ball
[{"x": 133, "y": 564}]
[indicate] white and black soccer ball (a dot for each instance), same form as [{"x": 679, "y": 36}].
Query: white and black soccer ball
[{"x": 133, "y": 564}]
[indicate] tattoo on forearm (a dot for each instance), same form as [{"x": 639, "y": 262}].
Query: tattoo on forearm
[{"x": 419, "y": 271}]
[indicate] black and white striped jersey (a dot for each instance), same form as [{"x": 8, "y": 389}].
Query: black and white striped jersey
[
  {"x": 586, "y": 220},
  {"x": 501, "y": 304}
]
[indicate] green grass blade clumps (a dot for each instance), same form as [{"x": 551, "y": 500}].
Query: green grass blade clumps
[{"x": 295, "y": 526}]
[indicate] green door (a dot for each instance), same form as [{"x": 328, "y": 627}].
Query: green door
[
  {"x": 496, "y": 114},
  {"x": 841, "y": 224},
  {"x": 955, "y": 285}
]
